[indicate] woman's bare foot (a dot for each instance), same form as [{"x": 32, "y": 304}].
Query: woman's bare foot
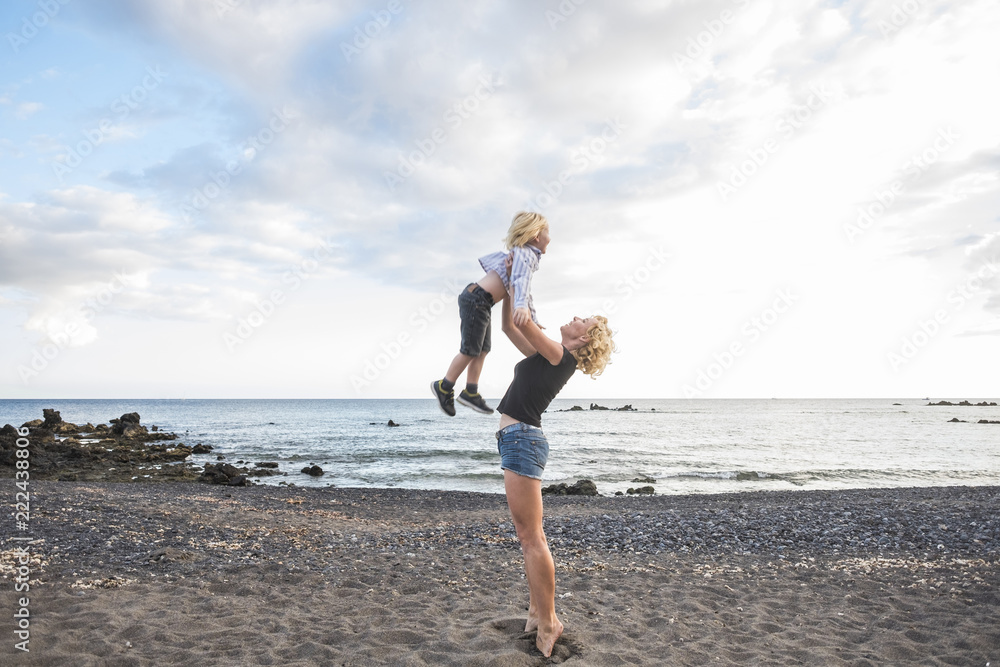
[{"x": 546, "y": 639}]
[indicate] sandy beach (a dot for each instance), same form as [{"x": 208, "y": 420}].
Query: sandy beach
[{"x": 195, "y": 574}]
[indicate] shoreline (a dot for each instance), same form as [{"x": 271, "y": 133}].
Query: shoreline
[{"x": 188, "y": 573}]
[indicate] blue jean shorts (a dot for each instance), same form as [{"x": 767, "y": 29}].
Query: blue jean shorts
[{"x": 523, "y": 449}]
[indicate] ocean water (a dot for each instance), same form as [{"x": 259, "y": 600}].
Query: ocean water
[{"x": 687, "y": 446}]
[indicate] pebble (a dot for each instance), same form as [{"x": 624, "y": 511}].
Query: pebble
[{"x": 85, "y": 530}]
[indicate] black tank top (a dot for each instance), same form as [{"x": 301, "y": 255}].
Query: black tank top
[{"x": 536, "y": 382}]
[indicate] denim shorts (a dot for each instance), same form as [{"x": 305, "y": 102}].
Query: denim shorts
[
  {"x": 523, "y": 449},
  {"x": 475, "y": 308}
]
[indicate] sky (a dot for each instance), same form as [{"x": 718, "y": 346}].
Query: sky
[{"x": 282, "y": 199}]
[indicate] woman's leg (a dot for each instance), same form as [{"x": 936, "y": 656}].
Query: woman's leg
[{"x": 524, "y": 498}]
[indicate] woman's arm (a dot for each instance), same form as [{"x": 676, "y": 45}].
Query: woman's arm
[
  {"x": 548, "y": 348},
  {"x": 516, "y": 337}
]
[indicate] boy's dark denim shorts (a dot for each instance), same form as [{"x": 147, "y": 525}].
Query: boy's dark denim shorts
[
  {"x": 523, "y": 449},
  {"x": 475, "y": 308}
]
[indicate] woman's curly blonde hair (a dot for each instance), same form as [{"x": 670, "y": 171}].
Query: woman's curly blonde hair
[{"x": 596, "y": 354}]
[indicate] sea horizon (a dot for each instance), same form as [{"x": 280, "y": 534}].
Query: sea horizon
[{"x": 686, "y": 445}]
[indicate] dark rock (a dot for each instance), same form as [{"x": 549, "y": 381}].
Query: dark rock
[
  {"x": 65, "y": 428},
  {"x": 112, "y": 459},
  {"x": 982, "y": 404},
  {"x": 201, "y": 449},
  {"x": 42, "y": 435},
  {"x": 642, "y": 490},
  {"x": 392, "y": 423},
  {"x": 626, "y": 408},
  {"x": 595, "y": 406},
  {"x": 987, "y": 421},
  {"x": 220, "y": 457},
  {"x": 265, "y": 469},
  {"x": 583, "y": 487},
  {"x": 313, "y": 470},
  {"x": 52, "y": 418},
  {"x": 127, "y": 426},
  {"x": 223, "y": 473},
  {"x": 956, "y": 419},
  {"x": 644, "y": 480}
]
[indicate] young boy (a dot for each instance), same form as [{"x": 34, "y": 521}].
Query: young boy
[{"x": 527, "y": 239}]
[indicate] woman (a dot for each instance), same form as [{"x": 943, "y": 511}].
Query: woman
[{"x": 587, "y": 345}]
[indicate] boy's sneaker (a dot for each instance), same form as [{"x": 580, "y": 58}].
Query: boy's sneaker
[
  {"x": 446, "y": 399},
  {"x": 474, "y": 401}
]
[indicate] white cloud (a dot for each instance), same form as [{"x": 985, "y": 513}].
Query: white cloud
[
  {"x": 27, "y": 109},
  {"x": 415, "y": 94}
]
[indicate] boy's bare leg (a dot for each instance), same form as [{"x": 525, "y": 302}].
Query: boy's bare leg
[
  {"x": 475, "y": 369},
  {"x": 459, "y": 364},
  {"x": 524, "y": 498}
]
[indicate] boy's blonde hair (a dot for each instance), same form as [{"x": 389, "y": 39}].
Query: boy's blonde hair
[
  {"x": 524, "y": 228},
  {"x": 596, "y": 354}
]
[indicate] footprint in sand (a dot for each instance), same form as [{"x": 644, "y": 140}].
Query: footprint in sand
[{"x": 513, "y": 629}]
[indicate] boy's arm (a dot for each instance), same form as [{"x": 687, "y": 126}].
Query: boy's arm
[
  {"x": 520, "y": 284},
  {"x": 516, "y": 337},
  {"x": 548, "y": 348}
]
